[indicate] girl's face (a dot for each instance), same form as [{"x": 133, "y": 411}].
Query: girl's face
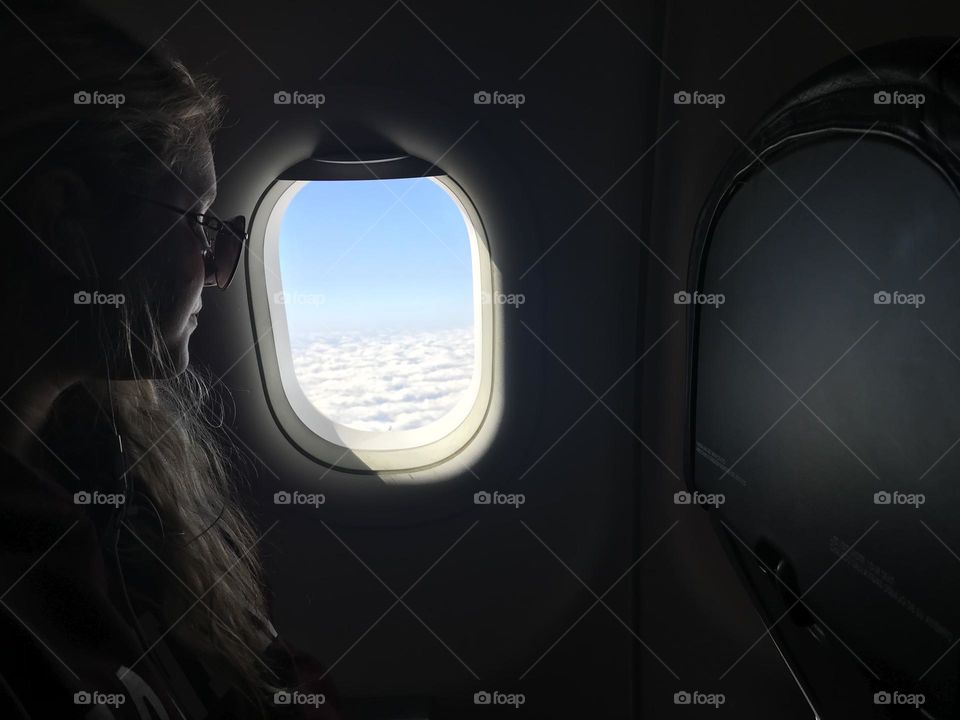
[{"x": 170, "y": 270}]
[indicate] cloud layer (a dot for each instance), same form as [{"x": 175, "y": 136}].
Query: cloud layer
[{"x": 385, "y": 381}]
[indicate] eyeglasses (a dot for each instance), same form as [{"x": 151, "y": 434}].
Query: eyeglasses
[{"x": 222, "y": 242}]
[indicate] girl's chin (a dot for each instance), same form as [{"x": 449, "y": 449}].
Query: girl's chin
[{"x": 178, "y": 349}]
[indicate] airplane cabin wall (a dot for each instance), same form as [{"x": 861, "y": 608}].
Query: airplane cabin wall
[{"x": 599, "y": 498}]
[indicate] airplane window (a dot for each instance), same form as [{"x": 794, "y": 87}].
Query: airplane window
[{"x": 374, "y": 290}]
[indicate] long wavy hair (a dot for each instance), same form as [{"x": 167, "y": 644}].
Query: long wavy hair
[{"x": 184, "y": 474}]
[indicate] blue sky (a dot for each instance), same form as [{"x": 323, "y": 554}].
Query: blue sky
[{"x": 375, "y": 276}]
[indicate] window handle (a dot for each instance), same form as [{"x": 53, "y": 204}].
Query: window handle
[{"x": 776, "y": 566}]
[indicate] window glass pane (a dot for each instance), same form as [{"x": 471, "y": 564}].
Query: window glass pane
[{"x": 380, "y": 301}]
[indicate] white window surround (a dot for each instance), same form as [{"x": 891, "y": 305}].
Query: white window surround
[{"x": 315, "y": 434}]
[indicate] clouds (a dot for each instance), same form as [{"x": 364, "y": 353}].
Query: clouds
[{"x": 383, "y": 381}]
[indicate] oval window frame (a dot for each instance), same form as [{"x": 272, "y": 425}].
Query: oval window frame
[{"x": 276, "y": 368}]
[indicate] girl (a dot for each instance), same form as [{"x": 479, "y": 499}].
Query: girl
[{"x": 129, "y": 580}]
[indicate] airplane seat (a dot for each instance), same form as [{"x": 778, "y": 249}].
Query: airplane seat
[{"x": 824, "y": 379}]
